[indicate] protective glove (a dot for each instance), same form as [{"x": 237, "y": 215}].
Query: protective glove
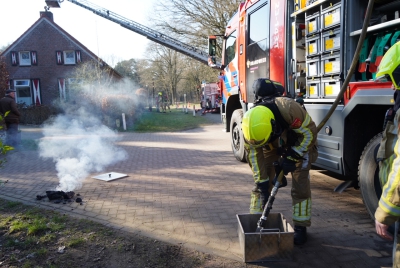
[
  {"x": 291, "y": 157},
  {"x": 278, "y": 169},
  {"x": 288, "y": 164}
]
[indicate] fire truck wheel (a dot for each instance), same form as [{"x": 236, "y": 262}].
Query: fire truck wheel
[
  {"x": 368, "y": 175},
  {"x": 237, "y": 141}
]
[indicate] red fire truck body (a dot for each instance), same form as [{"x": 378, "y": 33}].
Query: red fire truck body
[{"x": 309, "y": 49}]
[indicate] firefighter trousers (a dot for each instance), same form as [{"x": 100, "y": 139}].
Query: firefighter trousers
[{"x": 261, "y": 163}]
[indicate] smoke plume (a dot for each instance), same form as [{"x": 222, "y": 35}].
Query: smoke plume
[{"x": 79, "y": 145}]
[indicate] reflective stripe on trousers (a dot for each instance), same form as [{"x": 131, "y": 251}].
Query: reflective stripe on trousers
[
  {"x": 255, "y": 203},
  {"x": 302, "y": 211},
  {"x": 301, "y": 192}
]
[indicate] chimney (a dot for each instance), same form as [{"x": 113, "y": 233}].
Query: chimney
[{"x": 47, "y": 14}]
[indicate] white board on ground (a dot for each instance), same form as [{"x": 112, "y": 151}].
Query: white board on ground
[{"x": 110, "y": 176}]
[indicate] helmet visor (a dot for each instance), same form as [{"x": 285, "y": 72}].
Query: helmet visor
[
  {"x": 255, "y": 143},
  {"x": 383, "y": 78},
  {"x": 387, "y": 78}
]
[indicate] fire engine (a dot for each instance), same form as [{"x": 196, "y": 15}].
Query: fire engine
[
  {"x": 210, "y": 99},
  {"x": 307, "y": 46}
]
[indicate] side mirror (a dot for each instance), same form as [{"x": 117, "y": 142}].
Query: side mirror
[{"x": 212, "y": 46}]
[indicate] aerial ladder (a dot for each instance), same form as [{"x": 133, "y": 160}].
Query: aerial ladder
[{"x": 149, "y": 33}]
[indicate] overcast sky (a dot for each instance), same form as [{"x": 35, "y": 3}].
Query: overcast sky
[{"x": 105, "y": 38}]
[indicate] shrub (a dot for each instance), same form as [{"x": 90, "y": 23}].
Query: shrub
[
  {"x": 113, "y": 107},
  {"x": 36, "y": 115}
]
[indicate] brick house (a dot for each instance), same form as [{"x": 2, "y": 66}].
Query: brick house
[{"x": 40, "y": 62}]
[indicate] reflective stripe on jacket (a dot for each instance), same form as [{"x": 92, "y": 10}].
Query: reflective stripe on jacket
[{"x": 300, "y": 122}]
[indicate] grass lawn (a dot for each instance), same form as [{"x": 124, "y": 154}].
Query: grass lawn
[
  {"x": 33, "y": 237},
  {"x": 176, "y": 120}
]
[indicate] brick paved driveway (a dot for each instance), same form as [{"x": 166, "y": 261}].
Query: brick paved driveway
[{"x": 187, "y": 188}]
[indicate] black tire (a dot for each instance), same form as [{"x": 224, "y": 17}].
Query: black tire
[
  {"x": 368, "y": 175},
  {"x": 237, "y": 141}
]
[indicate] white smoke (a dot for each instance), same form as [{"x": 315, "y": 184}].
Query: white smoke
[{"x": 79, "y": 144}]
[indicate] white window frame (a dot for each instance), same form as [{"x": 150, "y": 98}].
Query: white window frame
[
  {"x": 24, "y": 61},
  {"x": 69, "y": 60},
  {"x": 23, "y": 83}
]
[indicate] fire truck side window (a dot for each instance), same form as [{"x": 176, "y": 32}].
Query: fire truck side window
[
  {"x": 258, "y": 34},
  {"x": 230, "y": 47},
  {"x": 257, "y": 44}
]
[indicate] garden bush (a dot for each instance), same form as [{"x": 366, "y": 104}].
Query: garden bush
[
  {"x": 113, "y": 107},
  {"x": 36, "y": 115}
]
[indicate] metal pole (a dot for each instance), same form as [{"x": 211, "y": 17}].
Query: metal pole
[{"x": 152, "y": 99}]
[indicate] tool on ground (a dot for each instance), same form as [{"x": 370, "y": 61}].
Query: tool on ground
[
  {"x": 2, "y": 183},
  {"x": 279, "y": 181}
]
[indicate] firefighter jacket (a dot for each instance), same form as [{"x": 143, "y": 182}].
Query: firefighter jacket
[
  {"x": 389, "y": 138},
  {"x": 386, "y": 153},
  {"x": 389, "y": 135},
  {"x": 301, "y": 124},
  {"x": 388, "y": 210},
  {"x": 8, "y": 104},
  {"x": 300, "y": 135}
]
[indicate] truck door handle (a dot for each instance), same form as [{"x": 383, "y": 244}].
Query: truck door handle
[{"x": 294, "y": 66}]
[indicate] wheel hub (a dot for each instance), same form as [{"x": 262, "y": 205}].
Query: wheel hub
[{"x": 236, "y": 137}]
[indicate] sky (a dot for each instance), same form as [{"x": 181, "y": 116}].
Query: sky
[{"x": 105, "y": 38}]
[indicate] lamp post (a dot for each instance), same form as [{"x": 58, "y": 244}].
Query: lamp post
[
  {"x": 152, "y": 95},
  {"x": 148, "y": 97}
]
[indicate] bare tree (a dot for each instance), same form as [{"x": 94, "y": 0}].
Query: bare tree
[
  {"x": 128, "y": 69},
  {"x": 195, "y": 20},
  {"x": 94, "y": 73},
  {"x": 163, "y": 69},
  {"x": 4, "y": 77},
  {"x": 174, "y": 73},
  {"x": 194, "y": 74},
  {"x": 2, "y": 48}
]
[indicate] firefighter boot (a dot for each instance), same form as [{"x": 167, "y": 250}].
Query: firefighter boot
[{"x": 300, "y": 235}]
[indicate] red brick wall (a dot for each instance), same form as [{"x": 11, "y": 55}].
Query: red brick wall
[{"x": 45, "y": 39}]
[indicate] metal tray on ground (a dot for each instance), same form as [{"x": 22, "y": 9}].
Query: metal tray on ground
[{"x": 274, "y": 243}]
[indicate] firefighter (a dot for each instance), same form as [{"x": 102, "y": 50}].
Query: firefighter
[
  {"x": 7, "y": 104},
  {"x": 388, "y": 211},
  {"x": 159, "y": 102},
  {"x": 279, "y": 129},
  {"x": 166, "y": 102},
  {"x": 162, "y": 102}
]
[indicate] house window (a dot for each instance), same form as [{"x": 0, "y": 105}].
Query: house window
[
  {"x": 24, "y": 92},
  {"x": 69, "y": 57},
  {"x": 24, "y": 58},
  {"x": 73, "y": 86}
]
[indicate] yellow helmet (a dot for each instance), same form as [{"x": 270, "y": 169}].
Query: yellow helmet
[
  {"x": 257, "y": 125},
  {"x": 389, "y": 68}
]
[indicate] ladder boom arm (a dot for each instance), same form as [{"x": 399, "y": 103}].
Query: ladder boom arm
[{"x": 149, "y": 33}]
